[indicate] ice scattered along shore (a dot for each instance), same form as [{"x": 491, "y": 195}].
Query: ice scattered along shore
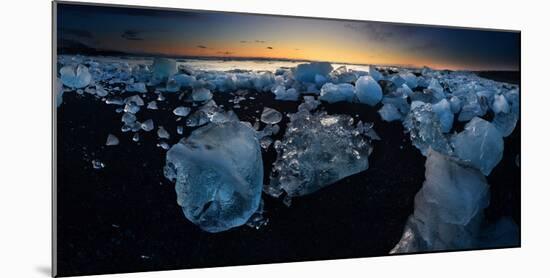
[
  {"x": 318, "y": 150},
  {"x": 218, "y": 172},
  {"x": 448, "y": 211},
  {"x": 75, "y": 76}
]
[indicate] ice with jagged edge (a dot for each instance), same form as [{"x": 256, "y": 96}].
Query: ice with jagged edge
[
  {"x": 449, "y": 211},
  {"x": 425, "y": 130},
  {"x": 317, "y": 150},
  {"x": 218, "y": 172}
]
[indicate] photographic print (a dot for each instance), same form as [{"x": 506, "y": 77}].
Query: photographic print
[{"x": 192, "y": 139}]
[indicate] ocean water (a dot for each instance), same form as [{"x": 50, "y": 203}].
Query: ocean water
[{"x": 221, "y": 64}]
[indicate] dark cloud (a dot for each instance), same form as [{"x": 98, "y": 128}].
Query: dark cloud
[
  {"x": 297, "y": 49},
  {"x": 244, "y": 41},
  {"x": 259, "y": 41},
  {"x": 383, "y": 32},
  {"x": 132, "y": 35},
  {"x": 78, "y": 33},
  {"x": 87, "y": 10},
  {"x": 269, "y": 47},
  {"x": 426, "y": 46},
  {"x": 201, "y": 46},
  {"x": 224, "y": 52}
]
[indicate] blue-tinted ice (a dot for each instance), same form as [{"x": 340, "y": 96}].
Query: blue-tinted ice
[{"x": 218, "y": 172}]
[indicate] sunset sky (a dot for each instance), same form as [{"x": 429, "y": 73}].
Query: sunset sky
[{"x": 214, "y": 34}]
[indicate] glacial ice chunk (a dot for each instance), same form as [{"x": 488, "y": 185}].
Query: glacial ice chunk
[
  {"x": 307, "y": 72},
  {"x": 375, "y": 74},
  {"x": 505, "y": 123},
  {"x": 389, "y": 113},
  {"x": 75, "y": 76},
  {"x": 138, "y": 87},
  {"x": 448, "y": 208},
  {"x": 410, "y": 79},
  {"x": 182, "y": 111},
  {"x": 309, "y": 104},
  {"x": 446, "y": 117},
  {"x": 271, "y": 116},
  {"x": 424, "y": 128},
  {"x": 368, "y": 91},
  {"x": 333, "y": 93},
  {"x": 471, "y": 108},
  {"x": 163, "y": 133},
  {"x": 317, "y": 150},
  {"x": 164, "y": 68},
  {"x": 218, "y": 172},
  {"x": 500, "y": 104},
  {"x": 58, "y": 92},
  {"x": 148, "y": 125},
  {"x": 281, "y": 93},
  {"x": 480, "y": 145},
  {"x": 112, "y": 140},
  {"x": 456, "y": 104},
  {"x": 152, "y": 105},
  {"x": 184, "y": 80},
  {"x": 201, "y": 94}
]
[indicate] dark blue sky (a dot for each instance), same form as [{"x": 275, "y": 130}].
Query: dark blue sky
[{"x": 193, "y": 33}]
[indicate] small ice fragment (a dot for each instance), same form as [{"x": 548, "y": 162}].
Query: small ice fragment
[
  {"x": 389, "y": 113},
  {"x": 309, "y": 104},
  {"x": 58, "y": 92},
  {"x": 182, "y": 111},
  {"x": 152, "y": 105},
  {"x": 135, "y": 138},
  {"x": 265, "y": 142},
  {"x": 148, "y": 125},
  {"x": 100, "y": 91},
  {"x": 111, "y": 140},
  {"x": 138, "y": 87},
  {"x": 75, "y": 76},
  {"x": 283, "y": 94},
  {"x": 197, "y": 119},
  {"x": 97, "y": 164},
  {"x": 368, "y": 91},
  {"x": 128, "y": 118},
  {"x": 271, "y": 116},
  {"x": 163, "y": 133},
  {"x": 201, "y": 94},
  {"x": 163, "y": 145},
  {"x": 179, "y": 129},
  {"x": 115, "y": 101},
  {"x": 333, "y": 93}
]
